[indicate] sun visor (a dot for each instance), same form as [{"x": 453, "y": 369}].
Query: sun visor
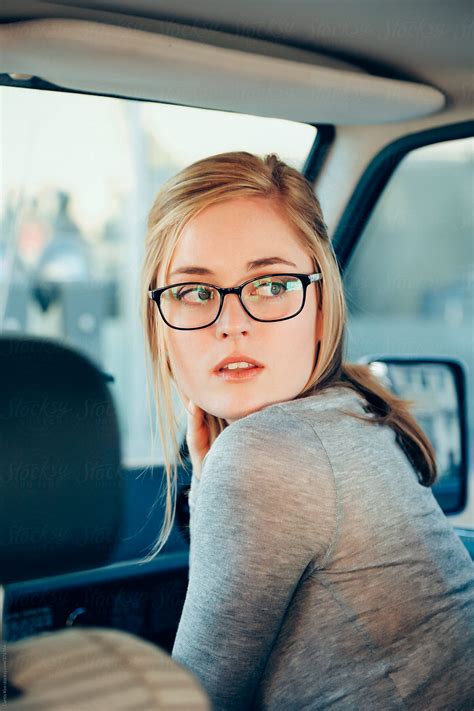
[{"x": 128, "y": 62}]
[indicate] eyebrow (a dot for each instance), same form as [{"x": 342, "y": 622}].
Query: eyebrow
[{"x": 254, "y": 264}]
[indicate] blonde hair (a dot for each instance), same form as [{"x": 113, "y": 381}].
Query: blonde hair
[{"x": 236, "y": 174}]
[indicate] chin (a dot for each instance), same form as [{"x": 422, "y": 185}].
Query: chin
[
  {"x": 233, "y": 406},
  {"x": 230, "y": 415}
]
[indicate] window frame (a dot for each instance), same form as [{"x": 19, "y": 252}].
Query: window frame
[{"x": 376, "y": 177}]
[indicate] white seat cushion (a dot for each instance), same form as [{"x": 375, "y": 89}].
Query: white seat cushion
[{"x": 93, "y": 668}]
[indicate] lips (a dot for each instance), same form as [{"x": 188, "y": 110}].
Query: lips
[
  {"x": 238, "y": 375},
  {"x": 237, "y": 359}
]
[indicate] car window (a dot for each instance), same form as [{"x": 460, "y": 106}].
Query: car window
[
  {"x": 79, "y": 174},
  {"x": 409, "y": 283}
]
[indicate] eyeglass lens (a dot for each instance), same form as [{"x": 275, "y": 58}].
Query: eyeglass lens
[{"x": 271, "y": 298}]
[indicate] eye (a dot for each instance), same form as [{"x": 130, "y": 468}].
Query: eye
[
  {"x": 197, "y": 294},
  {"x": 268, "y": 288}
]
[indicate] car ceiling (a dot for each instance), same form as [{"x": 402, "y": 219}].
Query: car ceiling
[{"x": 430, "y": 41}]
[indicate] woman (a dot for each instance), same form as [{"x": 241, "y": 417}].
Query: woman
[{"x": 322, "y": 571}]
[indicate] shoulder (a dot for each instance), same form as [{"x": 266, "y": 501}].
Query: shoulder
[
  {"x": 264, "y": 470},
  {"x": 266, "y": 425},
  {"x": 274, "y": 448},
  {"x": 290, "y": 428},
  {"x": 264, "y": 433}
]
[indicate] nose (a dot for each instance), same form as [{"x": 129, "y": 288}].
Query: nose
[{"x": 233, "y": 318}]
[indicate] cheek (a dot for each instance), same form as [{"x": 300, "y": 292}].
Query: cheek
[
  {"x": 295, "y": 341},
  {"x": 184, "y": 352},
  {"x": 305, "y": 325}
]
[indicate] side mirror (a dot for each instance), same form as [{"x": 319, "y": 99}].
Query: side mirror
[{"x": 437, "y": 388}]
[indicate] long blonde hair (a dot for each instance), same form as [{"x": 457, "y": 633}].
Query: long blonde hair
[{"x": 236, "y": 174}]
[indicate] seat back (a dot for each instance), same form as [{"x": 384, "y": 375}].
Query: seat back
[{"x": 61, "y": 487}]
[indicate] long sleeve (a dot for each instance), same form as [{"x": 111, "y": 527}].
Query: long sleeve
[{"x": 262, "y": 518}]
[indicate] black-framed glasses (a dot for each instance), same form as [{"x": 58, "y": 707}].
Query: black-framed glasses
[{"x": 190, "y": 305}]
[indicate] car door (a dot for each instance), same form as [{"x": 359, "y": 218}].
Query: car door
[{"x": 406, "y": 249}]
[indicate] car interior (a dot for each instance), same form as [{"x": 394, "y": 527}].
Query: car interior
[{"x": 102, "y": 101}]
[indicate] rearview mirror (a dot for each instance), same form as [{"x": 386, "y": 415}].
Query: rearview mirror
[{"x": 437, "y": 388}]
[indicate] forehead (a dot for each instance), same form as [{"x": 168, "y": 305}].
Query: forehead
[{"x": 231, "y": 233}]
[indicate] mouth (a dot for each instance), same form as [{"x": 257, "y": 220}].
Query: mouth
[{"x": 239, "y": 373}]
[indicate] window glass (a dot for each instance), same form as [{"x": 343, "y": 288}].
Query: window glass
[
  {"x": 79, "y": 174},
  {"x": 409, "y": 284}
]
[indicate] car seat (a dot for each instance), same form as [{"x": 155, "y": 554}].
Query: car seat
[{"x": 61, "y": 511}]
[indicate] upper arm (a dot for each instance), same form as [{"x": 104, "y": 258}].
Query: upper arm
[{"x": 264, "y": 514}]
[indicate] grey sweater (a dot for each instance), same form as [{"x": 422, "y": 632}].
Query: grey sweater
[{"x": 322, "y": 574}]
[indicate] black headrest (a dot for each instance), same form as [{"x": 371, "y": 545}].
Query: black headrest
[{"x": 61, "y": 487}]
